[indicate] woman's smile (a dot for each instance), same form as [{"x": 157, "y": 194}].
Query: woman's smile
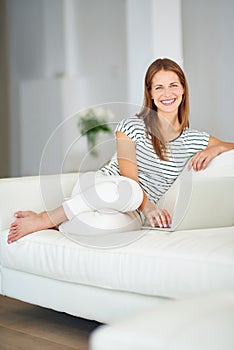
[{"x": 168, "y": 102}]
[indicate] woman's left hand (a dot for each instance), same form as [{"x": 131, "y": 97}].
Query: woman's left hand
[{"x": 202, "y": 158}]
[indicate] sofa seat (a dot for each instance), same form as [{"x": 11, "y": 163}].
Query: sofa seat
[{"x": 173, "y": 265}]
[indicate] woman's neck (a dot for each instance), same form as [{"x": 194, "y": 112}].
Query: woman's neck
[{"x": 169, "y": 126}]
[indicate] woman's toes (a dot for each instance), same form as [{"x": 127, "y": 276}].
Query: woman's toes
[
  {"x": 24, "y": 214},
  {"x": 10, "y": 238},
  {"x": 14, "y": 224},
  {"x": 13, "y": 229},
  {"x": 18, "y": 214}
]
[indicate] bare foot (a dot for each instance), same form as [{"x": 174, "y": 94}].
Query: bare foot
[
  {"x": 24, "y": 214},
  {"x": 29, "y": 224}
]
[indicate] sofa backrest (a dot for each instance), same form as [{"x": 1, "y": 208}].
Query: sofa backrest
[{"x": 203, "y": 199}]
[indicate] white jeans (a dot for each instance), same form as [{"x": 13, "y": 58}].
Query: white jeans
[{"x": 102, "y": 204}]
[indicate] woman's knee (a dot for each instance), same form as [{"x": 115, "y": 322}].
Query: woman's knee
[{"x": 131, "y": 192}]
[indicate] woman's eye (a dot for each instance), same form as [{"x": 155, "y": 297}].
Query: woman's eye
[
  {"x": 174, "y": 85},
  {"x": 158, "y": 87}
]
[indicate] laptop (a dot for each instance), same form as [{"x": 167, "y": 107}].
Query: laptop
[{"x": 197, "y": 200}]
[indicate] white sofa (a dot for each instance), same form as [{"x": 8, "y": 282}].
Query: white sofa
[{"x": 48, "y": 269}]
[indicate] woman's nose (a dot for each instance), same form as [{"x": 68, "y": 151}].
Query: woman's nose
[{"x": 166, "y": 92}]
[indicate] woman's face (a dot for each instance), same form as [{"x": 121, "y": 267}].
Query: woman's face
[{"x": 167, "y": 92}]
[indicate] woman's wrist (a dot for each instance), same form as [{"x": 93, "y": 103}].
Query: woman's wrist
[{"x": 147, "y": 208}]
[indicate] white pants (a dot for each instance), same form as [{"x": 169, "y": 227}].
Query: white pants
[{"x": 102, "y": 204}]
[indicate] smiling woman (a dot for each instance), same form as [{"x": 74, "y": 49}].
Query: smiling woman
[{"x": 155, "y": 146}]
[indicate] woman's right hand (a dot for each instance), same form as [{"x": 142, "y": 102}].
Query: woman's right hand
[{"x": 157, "y": 217}]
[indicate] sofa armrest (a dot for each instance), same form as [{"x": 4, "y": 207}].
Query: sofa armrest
[
  {"x": 35, "y": 193},
  {"x": 200, "y": 322}
]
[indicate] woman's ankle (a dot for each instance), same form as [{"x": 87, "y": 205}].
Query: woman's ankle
[{"x": 46, "y": 219}]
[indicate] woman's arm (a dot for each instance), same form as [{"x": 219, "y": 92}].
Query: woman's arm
[
  {"x": 127, "y": 161},
  {"x": 215, "y": 147}
]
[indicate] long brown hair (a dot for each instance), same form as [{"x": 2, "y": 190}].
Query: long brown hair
[{"x": 149, "y": 109}]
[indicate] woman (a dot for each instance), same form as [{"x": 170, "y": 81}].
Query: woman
[{"x": 152, "y": 148}]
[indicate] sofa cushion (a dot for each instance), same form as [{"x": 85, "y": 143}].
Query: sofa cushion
[{"x": 164, "y": 264}]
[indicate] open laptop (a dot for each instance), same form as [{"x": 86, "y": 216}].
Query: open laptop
[{"x": 199, "y": 200}]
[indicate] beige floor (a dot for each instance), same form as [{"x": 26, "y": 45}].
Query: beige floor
[{"x": 25, "y": 326}]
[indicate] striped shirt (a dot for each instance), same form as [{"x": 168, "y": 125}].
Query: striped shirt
[{"x": 156, "y": 175}]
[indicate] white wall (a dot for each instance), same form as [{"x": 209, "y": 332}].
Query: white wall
[
  {"x": 208, "y": 28},
  {"x": 60, "y": 42},
  {"x": 167, "y": 30},
  {"x": 53, "y": 23},
  {"x": 35, "y": 52},
  {"x": 153, "y": 30},
  {"x": 139, "y": 46},
  {"x": 101, "y": 41}
]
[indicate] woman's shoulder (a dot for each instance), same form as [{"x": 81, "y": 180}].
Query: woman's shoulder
[
  {"x": 133, "y": 120},
  {"x": 193, "y": 133},
  {"x": 133, "y": 123},
  {"x": 134, "y": 127},
  {"x": 195, "y": 137}
]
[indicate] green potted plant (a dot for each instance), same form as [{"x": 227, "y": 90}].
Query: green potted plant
[{"x": 93, "y": 121}]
